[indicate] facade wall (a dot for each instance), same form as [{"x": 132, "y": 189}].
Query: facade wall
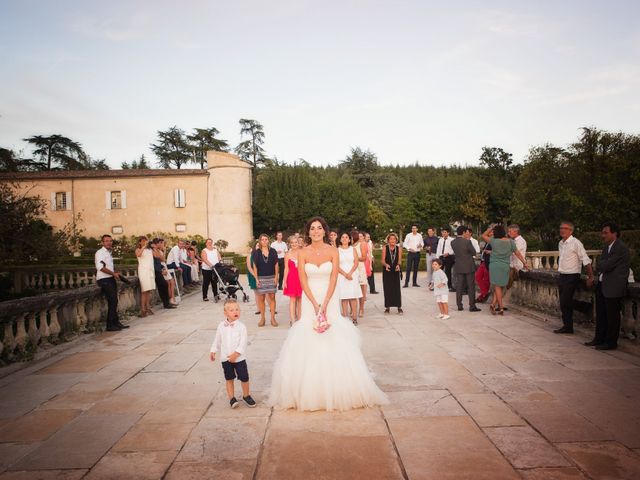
[{"x": 150, "y": 203}]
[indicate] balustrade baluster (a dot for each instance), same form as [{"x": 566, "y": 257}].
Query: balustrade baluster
[
  {"x": 81, "y": 316},
  {"x": 54, "y": 326},
  {"x": 45, "y": 331},
  {"x": 21, "y": 333},
  {"x": 9, "y": 341},
  {"x": 628, "y": 323},
  {"x": 32, "y": 327}
]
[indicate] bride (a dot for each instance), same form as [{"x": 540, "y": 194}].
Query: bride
[{"x": 322, "y": 371}]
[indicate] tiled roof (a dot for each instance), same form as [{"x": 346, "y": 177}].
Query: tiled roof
[{"x": 68, "y": 174}]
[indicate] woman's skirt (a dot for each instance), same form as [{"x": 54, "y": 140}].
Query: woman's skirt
[{"x": 266, "y": 285}]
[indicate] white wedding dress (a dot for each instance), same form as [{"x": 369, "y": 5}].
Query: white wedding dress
[{"x": 322, "y": 371}]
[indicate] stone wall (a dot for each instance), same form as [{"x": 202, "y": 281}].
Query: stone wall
[{"x": 537, "y": 289}]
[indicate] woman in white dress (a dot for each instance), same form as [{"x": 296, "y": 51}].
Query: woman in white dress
[
  {"x": 146, "y": 275},
  {"x": 349, "y": 290},
  {"x": 322, "y": 371},
  {"x": 362, "y": 249}
]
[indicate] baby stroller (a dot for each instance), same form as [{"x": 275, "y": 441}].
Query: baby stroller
[{"x": 228, "y": 283}]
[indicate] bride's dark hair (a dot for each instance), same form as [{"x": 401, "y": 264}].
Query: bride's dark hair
[{"x": 307, "y": 229}]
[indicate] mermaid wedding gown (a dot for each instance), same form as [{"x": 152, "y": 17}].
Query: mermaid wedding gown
[{"x": 322, "y": 371}]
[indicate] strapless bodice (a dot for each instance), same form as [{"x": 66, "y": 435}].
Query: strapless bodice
[{"x": 315, "y": 272}]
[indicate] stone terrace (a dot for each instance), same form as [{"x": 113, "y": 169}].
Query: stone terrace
[{"x": 477, "y": 397}]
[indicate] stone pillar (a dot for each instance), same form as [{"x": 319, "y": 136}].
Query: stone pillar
[{"x": 230, "y": 215}]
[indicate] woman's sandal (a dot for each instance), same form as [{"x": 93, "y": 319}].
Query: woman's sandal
[
  {"x": 492, "y": 307},
  {"x": 355, "y": 321},
  {"x": 501, "y": 311}
]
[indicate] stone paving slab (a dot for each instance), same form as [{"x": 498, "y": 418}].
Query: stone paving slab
[
  {"x": 80, "y": 444},
  {"x": 475, "y": 396}
]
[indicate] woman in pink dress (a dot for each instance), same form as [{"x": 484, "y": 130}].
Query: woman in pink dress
[{"x": 292, "y": 286}]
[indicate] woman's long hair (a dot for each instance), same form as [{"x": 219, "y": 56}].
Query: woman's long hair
[{"x": 307, "y": 229}]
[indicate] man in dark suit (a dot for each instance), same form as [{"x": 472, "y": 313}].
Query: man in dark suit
[
  {"x": 465, "y": 268},
  {"x": 613, "y": 275}
]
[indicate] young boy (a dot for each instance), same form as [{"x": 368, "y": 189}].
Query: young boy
[
  {"x": 441, "y": 289},
  {"x": 231, "y": 342}
]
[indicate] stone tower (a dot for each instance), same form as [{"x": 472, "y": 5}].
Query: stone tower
[{"x": 229, "y": 209}]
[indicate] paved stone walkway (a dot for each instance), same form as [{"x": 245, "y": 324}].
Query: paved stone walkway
[{"x": 474, "y": 397}]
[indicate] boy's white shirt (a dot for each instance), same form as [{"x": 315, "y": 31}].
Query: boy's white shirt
[{"x": 230, "y": 337}]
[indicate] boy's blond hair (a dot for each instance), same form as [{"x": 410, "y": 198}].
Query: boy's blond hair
[{"x": 230, "y": 301}]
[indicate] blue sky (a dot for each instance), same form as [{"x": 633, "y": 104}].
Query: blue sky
[{"x": 431, "y": 82}]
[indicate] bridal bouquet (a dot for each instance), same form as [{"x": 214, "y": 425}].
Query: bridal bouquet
[{"x": 321, "y": 324}]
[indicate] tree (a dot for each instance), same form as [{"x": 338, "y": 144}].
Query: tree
[
  {"x": 363, "y": 166},
  {"x": 541, "y": 199},
  {"x": 56, "y": 149},
  {"x": 172, "y": 148},
  {"x": 203, "y": 140},
  {"x": 97, "y": 164},
  {"x": 343, "y": 203},
  {"x": 285, "y": 197},
  {"x": 404, "y": 213},
  {"x": 496, "y": 158},
  {"x": 250, "y": 150},
  {"x": 8, "y": 161},
  {"x": 24, "y": 234},
  {"x": 140, "y": 164}
]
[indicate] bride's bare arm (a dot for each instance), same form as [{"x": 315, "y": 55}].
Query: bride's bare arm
[
  {"x": 332, "y": 280},
  {"x": 302, "y": 260}
]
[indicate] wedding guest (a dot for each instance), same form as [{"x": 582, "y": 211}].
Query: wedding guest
[
  {"x": 413, "y": 243},
  {"x": 193, "y": 263},
  {"x": 231, "y": 342},
  {"x": 292, "y": 286},
  {"x": 210, "y": 258},
  {"x": 572, "y": 257},
  {"x": 482, "y": 274},
  {"x": 613, "y": 275},
  {"x": 146, "y": 275},
  {"x": 266, "y": 270},
  {"x": 300, "y": 239},
  {"x": 371, "y": 280},
  {"x": 515, "y": 266},
  {"x": 106, "y": 279},
  {"x": 501, "y": 249},
  {"x": 348, "y": 286},
  {"x": 250, "y": 278},
  {"x": 469, "y": 235},
  {"x": 445, "y": 253},
  {"x": 440, "y": 289},
  {"x": 333, "y": 238},
  {"x": 431, "y": 246},
  {"x": 361, "y": 248},
  {"x": 281, "y": 249},
  {"x": 160, "y": 271},
  {"x": 174, "y": 262},
  {"x": 391, "y": 261},
  {"x": 465, "y": 252},
  {"x": 185, "y": 264}
]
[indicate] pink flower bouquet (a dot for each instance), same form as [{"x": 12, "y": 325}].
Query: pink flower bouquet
[{"x": 321, "y": 324}]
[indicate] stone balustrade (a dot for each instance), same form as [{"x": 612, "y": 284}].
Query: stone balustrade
[
  {"x": 48, "y": 278},
  {"x": 548, "y": 260},
  {"x": 538, "y": 290},
  {"x": 28, "y": 324}
]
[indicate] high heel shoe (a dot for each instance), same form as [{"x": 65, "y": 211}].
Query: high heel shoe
[
  {"x": 355, "y": 321},
  {"x": 501, "y": 311},
  {"x": 492, "y": 307}
]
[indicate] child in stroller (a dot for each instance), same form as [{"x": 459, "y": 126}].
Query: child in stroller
[{"x": 229, "y": 284}]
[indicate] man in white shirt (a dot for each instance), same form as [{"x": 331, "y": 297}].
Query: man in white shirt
[
  {"x": 445, "y": 253},
  {"x": 281, "y": 249},
  {"x": 174, "y": 261},
  {"x": 515, "y": 265},
  {"x": 572, "y": 258},
  {"x": 106, "y": 280},
  {"x": 413, "y": 243}
]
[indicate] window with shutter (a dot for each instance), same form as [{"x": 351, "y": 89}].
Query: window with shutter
[
  {"x": 116, "y": 200},
  {"x": 61, "y": 201},
  {"x": 179, "y": 198}
]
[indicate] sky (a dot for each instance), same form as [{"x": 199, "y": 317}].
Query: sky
[{"x": 412, "y": 81}]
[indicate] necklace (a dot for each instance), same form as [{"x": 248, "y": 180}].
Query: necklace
[
  {"x": 265, "y": 259},
  {"x": 393, "y": 254}
]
